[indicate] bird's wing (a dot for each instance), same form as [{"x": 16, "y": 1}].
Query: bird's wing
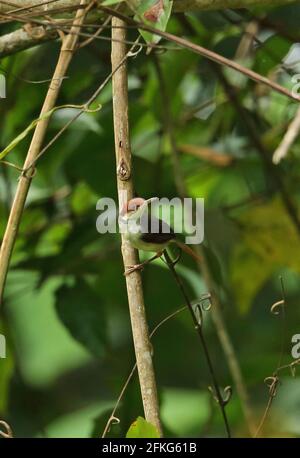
[{"x": 156, "y": 231}]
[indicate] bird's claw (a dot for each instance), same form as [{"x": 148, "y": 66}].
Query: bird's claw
[
  {"x": 134, "y": 268},
  {"x": 175, "y": 261}
]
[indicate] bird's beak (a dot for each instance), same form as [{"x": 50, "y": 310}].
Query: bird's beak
[
  {"x": 147, "y": 204},
  {"x": 149, "y": 201}
]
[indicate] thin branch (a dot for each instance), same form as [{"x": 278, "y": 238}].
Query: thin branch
[
  {"x": 130, "y": 257},
  {"x": 45, "y": 31},
  {"x": 254, "y": 137},
  {"x": 288, "y": 139},
  {"x": 279, "y": 309},
  {"x": 80, "y": 111},
  {"x": 112, "y": 417},
  {"x": 44, "y": 4},
  {"x": 179, "y": 5},
  {"x": 278, "y": 26},
  {"x": 184, "y": 5},
  {"x": 38, "y": 6},
  {"x": 21, "y": 39},
  {"x": 11, "y": 16},
  {"x": 11, "y": 231},
  {"x": 7, "y": 432},
  {"x": 207, "y": 154},
  {"x": 96, "y": 34},
  {"x": 203, "y": 268},
  {"x": 198, "y": 326},
  {"x": 249, "y": 31},
  {"x": 10, "y": 164},
  {"x": 24, "y": 8},
  {"x": 211, "y": 55},
  {"x": 221, "y": 60}
]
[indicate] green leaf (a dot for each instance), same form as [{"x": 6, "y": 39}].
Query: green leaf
[
  {"x": 46, "y": 350},
  {"x": 79, "y": 308},
  {"x": 271, "y": 54},
  {"x": 110, "y": 2},
  {"x": 263, "y": 249},
  {"x": 249, "y": 272},
  {"x": 155, "y": 13},
  {"x": 140, "y": 428}
]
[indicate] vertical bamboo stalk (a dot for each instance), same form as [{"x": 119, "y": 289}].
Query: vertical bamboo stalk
[
  {"x": 130, "y": 257},
  {"x": 11, "y": 231}
]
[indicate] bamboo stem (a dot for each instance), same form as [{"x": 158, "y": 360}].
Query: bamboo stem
[
  {"x": 130, "y": 257},
  {"x": 67, "y": 49}
]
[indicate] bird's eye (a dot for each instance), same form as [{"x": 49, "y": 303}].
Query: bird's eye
[{"x": 134, "y": 207}]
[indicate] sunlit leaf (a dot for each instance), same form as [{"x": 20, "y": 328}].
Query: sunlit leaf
[{"x": 142, "y": 429}]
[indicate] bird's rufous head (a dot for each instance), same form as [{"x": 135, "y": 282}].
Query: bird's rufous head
[{"x": 134, "y": 204}]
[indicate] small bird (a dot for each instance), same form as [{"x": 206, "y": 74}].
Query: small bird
[{"x": 146, "y": 232}]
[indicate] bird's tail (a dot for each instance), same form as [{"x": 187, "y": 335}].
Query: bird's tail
[{"x": 188, "y": 250}]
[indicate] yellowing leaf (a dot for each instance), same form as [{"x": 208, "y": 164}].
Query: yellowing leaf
[
  {"x": 269, "y": 242},
  {"x": 248, "y": 274}
]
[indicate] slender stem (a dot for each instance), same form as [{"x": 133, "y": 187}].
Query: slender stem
[
  {"x": 254, "y": 137},
  {"x": 227, "y": 345},
  {"x": 10, "y": 235},
  {"x": 207, "y": 53},
  {"x": 130, "y": 257},
  {"x": 203, "y": 267},
  {"x": 112, "y": 417},
  {"x": 288, "y": 140},
  {"x": 275, "y": 377},
  {"x": 198, "y": 328},
  {"x": 183, "y": 43},
  {"x": 179, "y": 5},
  {"x": 6, "y": 432}
]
